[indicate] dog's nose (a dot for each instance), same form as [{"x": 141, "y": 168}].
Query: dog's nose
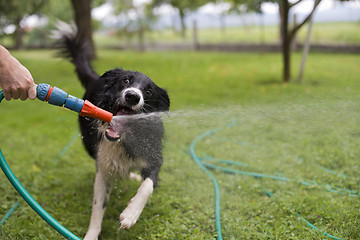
[{"x": 132, "y": 98}]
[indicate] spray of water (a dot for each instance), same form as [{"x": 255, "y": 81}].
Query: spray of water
[
  {"x": 298, "y": 139},
  {"x": 312, "y": 143}
]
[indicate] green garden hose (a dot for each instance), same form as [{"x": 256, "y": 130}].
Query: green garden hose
[
  {"x": 213, "y": 179},
  {"x": 201, "y": 162},
  {"x": 8, "y": 214},
  {"x": 30, "y": 200}
]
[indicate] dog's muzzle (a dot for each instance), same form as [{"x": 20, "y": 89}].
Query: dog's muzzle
[
  {"x": 133, "y": 98},
  {"x": 132, "y": 103}
]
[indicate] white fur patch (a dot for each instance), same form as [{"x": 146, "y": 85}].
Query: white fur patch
[
  {"x": 139, "y": 92},
  {"x": 101, "y": 196},
  {"x": 136, "y": 205},
  {"x": 113, "y": 160}
]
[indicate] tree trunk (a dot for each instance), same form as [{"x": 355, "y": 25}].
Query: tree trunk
[
  {"x": 82, "y": 9},
  {"x": 285, "y": 39},
  {"x": 288, "y": 35},
  {"x": 183, "y": 26},
  {"x": 281, "y": 27},
  {"x": 19, "y": 33}
]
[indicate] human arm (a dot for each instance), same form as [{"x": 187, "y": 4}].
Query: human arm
[{"x": 15, "y": 79}]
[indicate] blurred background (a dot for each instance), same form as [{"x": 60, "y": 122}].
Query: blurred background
[
  {"x": 171, "y": 24},
  {"x": 218, "y": 25},
  {"x": 127, "y": 23}
]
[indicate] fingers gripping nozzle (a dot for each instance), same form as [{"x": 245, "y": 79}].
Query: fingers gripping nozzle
[{"x": 58, "y": 97}]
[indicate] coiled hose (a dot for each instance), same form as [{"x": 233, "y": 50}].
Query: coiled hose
[{"x": 30, "y": 200}]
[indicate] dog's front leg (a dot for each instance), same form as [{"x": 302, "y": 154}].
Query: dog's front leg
[
  {"x": 132, "y": 212},
  {"x": 102, "y": 189}
]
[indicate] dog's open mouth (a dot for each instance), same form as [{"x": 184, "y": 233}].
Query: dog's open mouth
[{"x": 114, "y": 129}]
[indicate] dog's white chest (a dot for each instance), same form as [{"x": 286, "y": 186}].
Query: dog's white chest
[{"x": 112, "y": 159}]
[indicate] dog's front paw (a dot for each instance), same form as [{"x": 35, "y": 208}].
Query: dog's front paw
[
  {"x": 91, "y": 235},
  {"x": 129, "y": 217}
]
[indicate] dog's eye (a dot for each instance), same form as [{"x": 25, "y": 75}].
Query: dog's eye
[
  {"x": 149, "y": 93},
  {"x": 126, "y": 81}
]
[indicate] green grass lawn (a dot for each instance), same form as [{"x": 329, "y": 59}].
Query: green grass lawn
[{"x": 305, "y": 133}]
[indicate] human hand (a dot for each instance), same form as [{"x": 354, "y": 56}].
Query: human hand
[{"x": 15, "y": 79}]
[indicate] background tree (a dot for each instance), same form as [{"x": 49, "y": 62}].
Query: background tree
[
  {"x": 14, "y": 12},
  {"x": 58, "y": 10},
  {"x": 83, "y": 21},
  {"x": 50, "y": 14},
  {"x": 183, "y": 6},
  {"x": 287, "y": 32},
  {"x": 137, "y": 18}
]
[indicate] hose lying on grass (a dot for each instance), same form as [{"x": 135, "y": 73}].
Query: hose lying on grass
[
  {"x": 30, "y": 200},
  {"x": 201, "y": 162}
]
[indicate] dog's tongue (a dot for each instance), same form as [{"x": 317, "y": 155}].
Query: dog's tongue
[
  {"x": 112, "y": 132},
  {"x": 116, "y": 126}
]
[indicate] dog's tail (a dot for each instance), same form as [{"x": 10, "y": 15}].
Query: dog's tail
[{"x": 75, "y": 50}]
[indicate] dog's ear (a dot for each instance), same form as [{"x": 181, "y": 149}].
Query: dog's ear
[
  {"x": 164, "y": 101},
  {"x": 106, "y": 74},
  {"x": 113, "y": 77},
  {"x": 113, "y": 74}
]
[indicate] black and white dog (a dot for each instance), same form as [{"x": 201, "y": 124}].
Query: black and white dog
[{"x": 132, "y": 143}]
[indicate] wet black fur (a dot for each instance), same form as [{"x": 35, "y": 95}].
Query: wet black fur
[{"x": 142, "y": 137}]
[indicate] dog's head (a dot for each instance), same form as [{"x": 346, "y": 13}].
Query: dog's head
[{"x": 130, "y": 92}]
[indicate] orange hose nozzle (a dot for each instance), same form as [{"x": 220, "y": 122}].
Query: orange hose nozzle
[{"x": 90, "y": 110}]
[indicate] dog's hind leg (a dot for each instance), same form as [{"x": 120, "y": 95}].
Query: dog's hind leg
[
  {"x": 102, "y": 189},
  {"x": 132, "y": 212}
]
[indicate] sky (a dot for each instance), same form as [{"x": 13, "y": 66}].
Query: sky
[{"x": 306, "y": 6}]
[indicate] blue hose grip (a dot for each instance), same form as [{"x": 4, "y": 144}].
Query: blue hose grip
[
  {"x": 74, "y": 103},
  {"x": 58, "y": 97},
  {"x": 42, "y": 91}
]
